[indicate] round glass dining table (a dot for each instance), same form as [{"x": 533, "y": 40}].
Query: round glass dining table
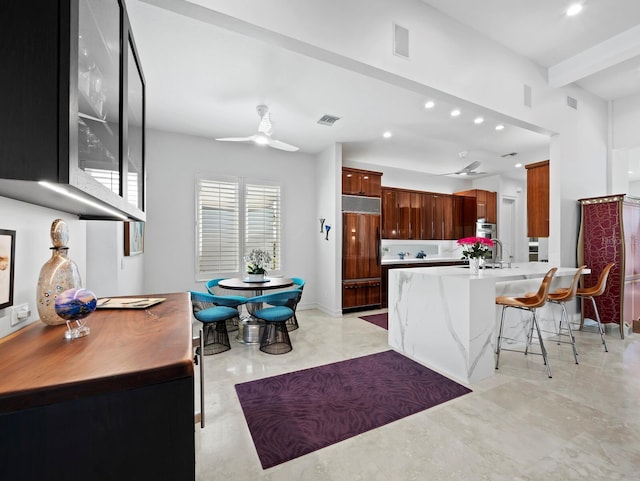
[{"x": 249, "y": 322}]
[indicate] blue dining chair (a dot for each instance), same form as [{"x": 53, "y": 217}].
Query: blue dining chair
[
  {"x": 275, "y": 337},
  {"x": 228, "y": 301},
  {"x": 292, "y": 322},
  {"x": 213, "y": 315}
]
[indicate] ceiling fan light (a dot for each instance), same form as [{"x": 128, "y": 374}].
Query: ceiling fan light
[
  {"x": 574, "y": 9},
  {"x": 261, "y": 139}
]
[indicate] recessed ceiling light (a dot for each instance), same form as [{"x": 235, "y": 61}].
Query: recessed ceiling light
[
  {"x": 517, "y": 166},
  {"x": 429, "y": 105},
  {"x": 499, "y": 127},
  {"x": 629, "y": 171},
  {"x": 455, "y": 113},
  {"x": 387, "y": 135},
  {"x": 574, "y": 9},
  {"x": 478, "y": 120}
]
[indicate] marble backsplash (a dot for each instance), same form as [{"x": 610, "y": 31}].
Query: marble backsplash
[{"x": 432, "y": 249}]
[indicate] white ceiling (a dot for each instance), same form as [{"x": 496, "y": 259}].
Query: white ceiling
[{"x": 207, "y": 81}]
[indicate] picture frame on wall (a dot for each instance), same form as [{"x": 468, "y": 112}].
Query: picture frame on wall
[
  {"x": 7, "y": 266},
  {"x": 133, "y": 238}
]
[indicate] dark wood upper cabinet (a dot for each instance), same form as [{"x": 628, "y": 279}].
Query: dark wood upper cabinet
[
  {"x": 486, "y": 204},
  {"x": 361, "y": 182},
  {"x": 412, "y": 214},
  {"x": 73, "y": 112},
  {"x": 538, "y": 199}
]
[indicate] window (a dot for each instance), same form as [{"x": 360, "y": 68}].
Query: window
[{"x": 234, "y": 216}]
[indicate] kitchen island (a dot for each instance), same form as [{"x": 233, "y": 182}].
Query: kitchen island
[
  {"x": 117, "y": 404},
  {"x": 447, "y": 319}
]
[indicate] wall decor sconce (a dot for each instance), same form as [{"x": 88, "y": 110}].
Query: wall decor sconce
[
  {"x": 322, "y": 225},
  {"x": 327, "y": 228}
]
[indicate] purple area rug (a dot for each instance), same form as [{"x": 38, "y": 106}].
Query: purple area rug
[
  {"x": 294, "y": 414},
  {"x": 381, "y": 320}
]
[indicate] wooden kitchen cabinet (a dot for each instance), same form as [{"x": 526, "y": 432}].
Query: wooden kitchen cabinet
[
  {"x": 390, "y": 213},
  {"x": 360, "y": 294},
  {"x": 538, "y": 199},
  {"x": 411, "y": 214},
  {"x": 361, "y": 182},
  {"x": 486, "y": 204}
]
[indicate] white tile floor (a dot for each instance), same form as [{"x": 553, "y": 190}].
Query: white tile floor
[{"x": 584, "y": 424}]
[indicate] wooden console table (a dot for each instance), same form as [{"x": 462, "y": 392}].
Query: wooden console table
[{"x": 117, "y": 404}]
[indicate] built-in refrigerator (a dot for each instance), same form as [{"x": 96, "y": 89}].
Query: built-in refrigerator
[{"x": 361, "y": 255}]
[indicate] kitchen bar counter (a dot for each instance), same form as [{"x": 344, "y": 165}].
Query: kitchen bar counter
[
  {"x": 116, "y": 404},
  {"x": 446, "y": 317}
]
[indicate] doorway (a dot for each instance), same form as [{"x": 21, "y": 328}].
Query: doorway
[{"x": 507, "y": 227}]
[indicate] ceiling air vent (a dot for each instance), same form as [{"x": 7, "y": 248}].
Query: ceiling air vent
[
  {"x": 571, "y": 102},
  {"x": 510, "y": 154},
  {"x": 327, "y": 119}
]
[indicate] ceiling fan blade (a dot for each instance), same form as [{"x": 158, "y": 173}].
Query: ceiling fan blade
[
  {"x": 277, "y": 144},
  {"x": 236, "y": 139},
  {"x": 471, "y": 166}
]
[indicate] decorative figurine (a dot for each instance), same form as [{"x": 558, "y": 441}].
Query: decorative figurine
[
  {"x": 327, "y": 228},
  {"x": 74, "y": 305}
]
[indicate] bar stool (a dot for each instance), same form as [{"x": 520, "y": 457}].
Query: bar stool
[
  {"x": 214, "y": 319},
  {"x": 275, "y": 337},
  {"x": 596, "y": 291},
  {"x": 562, "y": 296},
  {"x": 528, "y": 302}
]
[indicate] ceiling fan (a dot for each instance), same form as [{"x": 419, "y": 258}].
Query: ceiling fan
[
  {"x": 469, "y": 169},
  {"x": 263, "y": 136}
]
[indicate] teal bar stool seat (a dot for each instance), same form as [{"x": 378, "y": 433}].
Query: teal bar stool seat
[
  {"x": 214, "y": 318},
  {"x": 228, "y": 301},
  {"x": 275, "y": 337}
]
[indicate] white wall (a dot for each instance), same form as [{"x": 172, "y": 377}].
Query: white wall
[
  {"x": 626, "y": 122},
  {"x": 109, "y": 271},
  {"x": 173, "y": 160},
  {"x": 33, "y": 241},
  {"x": 329, "y": 252}
]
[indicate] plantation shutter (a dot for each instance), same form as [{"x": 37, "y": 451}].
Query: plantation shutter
[
  {"x": 218, "y": 226},
  {"x": 262, "y": 220}
]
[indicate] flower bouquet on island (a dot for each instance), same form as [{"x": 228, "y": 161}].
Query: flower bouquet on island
[{"x": 475, "y": 249}]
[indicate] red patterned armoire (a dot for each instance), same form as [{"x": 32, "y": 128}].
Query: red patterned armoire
[{"x": 610, "y": 232}]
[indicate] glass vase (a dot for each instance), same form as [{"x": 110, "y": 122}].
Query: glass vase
[
  {"x": 57, "y": 275},
  {"x": 474, "y": 265}
]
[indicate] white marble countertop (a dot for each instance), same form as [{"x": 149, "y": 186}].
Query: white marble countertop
[{"x": 521, "y": 270}]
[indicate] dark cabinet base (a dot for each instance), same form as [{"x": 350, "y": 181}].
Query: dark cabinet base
[
  {"x": 144, "y": 433},
  {"x": 359, "y": 294}
]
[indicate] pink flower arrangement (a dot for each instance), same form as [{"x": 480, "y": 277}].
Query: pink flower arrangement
[{"x": 475, "y": 247}]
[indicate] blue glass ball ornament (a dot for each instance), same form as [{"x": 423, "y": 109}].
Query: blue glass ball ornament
[{"x": 75, "y": 304}]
